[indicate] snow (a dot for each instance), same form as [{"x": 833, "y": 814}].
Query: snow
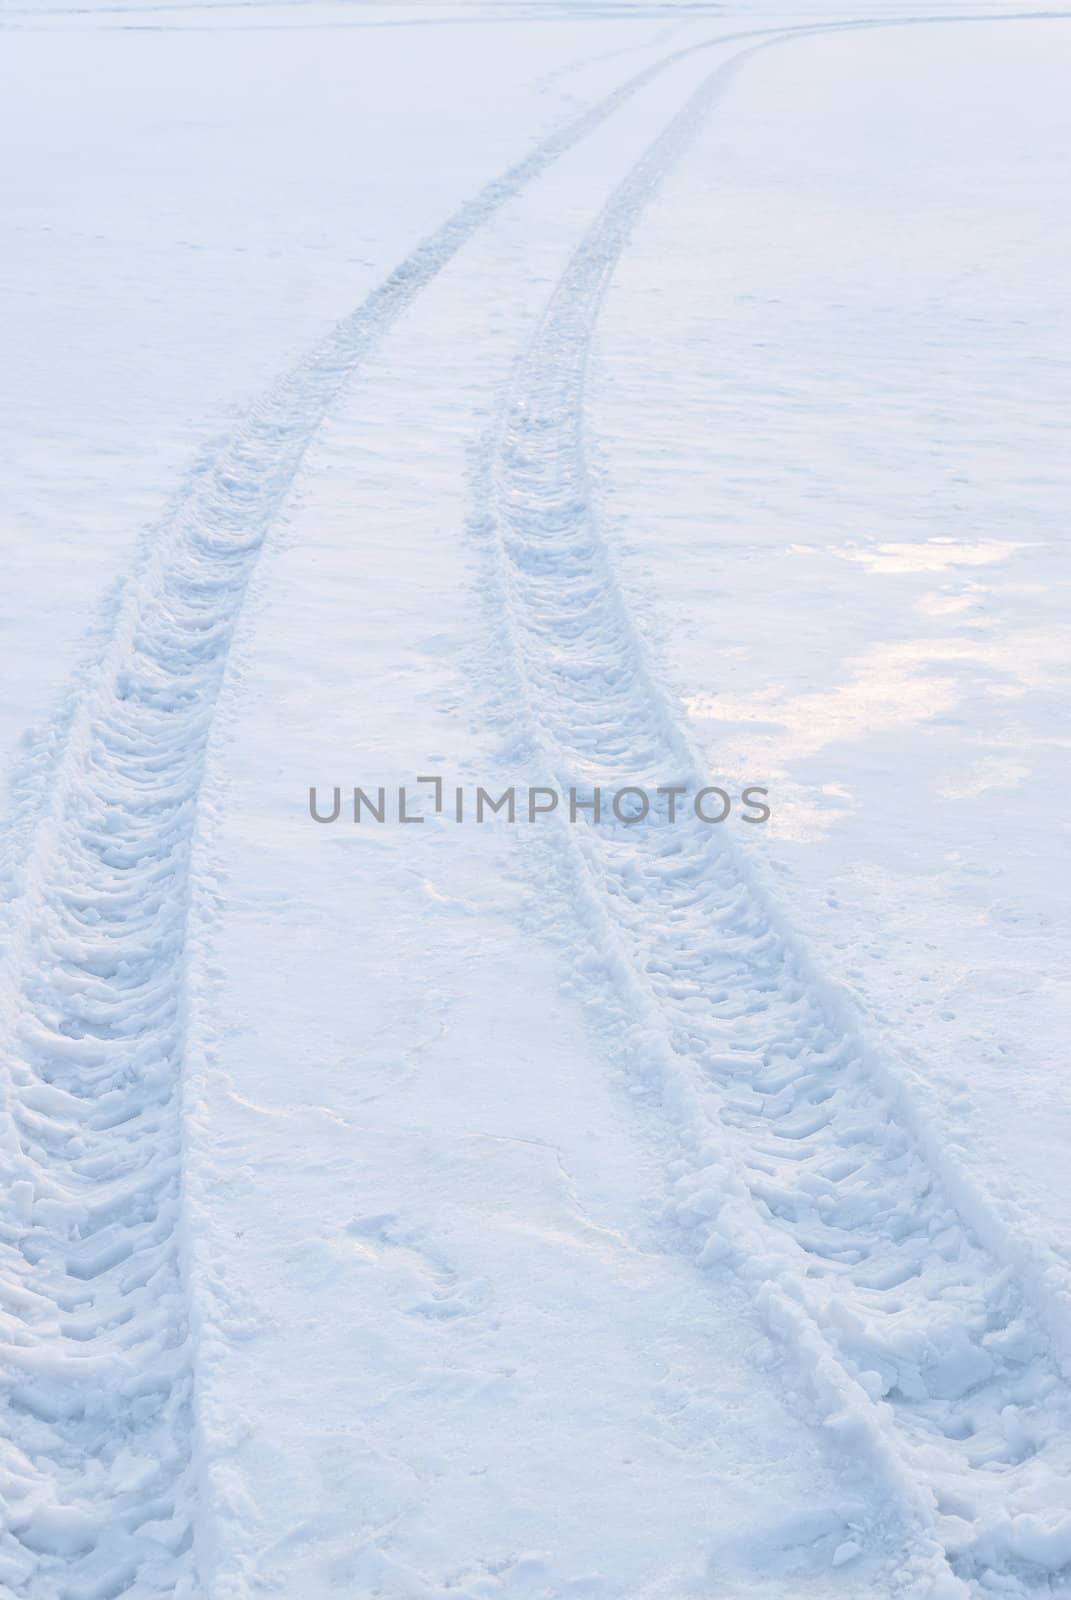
[
  {"x": 900, "y": 687},
  {"x": 533, "y": 395}
]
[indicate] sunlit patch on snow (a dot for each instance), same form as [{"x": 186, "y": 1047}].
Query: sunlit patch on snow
[
  {"x": 897, "y": 684},
  {"x": 927, "y": 555},
  {"x": 938, "y": 603}
]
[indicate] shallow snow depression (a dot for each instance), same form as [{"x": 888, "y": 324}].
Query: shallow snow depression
[{"x": 551, "y": 396}]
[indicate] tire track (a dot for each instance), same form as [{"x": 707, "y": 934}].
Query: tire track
[
  {"x": 803, "y": 1168},
  {"x": 97, "y": 1470}
]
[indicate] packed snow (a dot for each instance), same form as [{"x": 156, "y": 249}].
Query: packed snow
[{"x": 414, "y": 402}]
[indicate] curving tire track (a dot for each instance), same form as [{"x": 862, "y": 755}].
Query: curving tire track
[
  {"x": 97, "y": 1470},
  {"x": 802, "y": 1166}
]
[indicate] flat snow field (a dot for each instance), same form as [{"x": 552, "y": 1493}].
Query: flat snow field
[{"x": 524, "y": 394}]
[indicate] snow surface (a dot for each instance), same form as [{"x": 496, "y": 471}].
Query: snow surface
[{"x": 534, "y": 394}]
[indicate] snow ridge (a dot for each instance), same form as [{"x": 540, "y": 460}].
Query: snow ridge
[{"x": 801, "y": 1165}]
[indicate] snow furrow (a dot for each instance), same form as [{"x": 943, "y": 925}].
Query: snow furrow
[
  {"x": 802, "y": 1168},
  {"x": 96, "y": 1444}
]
